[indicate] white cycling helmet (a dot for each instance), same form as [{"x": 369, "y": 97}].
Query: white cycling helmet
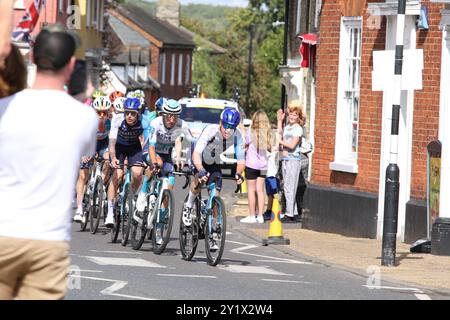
[
  {"x": 171, "y": 107},
  {"x": 118, "y": 104},
  {"x": 101, "y": 104},
  {"x": 137, "y": 94}
]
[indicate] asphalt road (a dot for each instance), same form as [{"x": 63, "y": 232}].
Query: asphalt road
[{"x": 101, "y": 270}]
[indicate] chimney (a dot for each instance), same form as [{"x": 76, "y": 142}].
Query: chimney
[{"x": 169, "y": 10}]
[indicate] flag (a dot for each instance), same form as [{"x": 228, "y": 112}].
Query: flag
[{"x": 26, "y": 25}]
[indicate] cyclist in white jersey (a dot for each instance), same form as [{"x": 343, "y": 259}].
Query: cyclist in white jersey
[{"x": 215, "y": 139}]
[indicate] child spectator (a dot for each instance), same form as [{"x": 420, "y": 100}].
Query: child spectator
[{"x": 257, "y": 142}]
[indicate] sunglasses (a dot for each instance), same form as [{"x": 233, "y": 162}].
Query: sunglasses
[
  {"x": 228, "y": 126},
  {"x": 133, "y": 113},
  {"x": 105, "y": 113}
]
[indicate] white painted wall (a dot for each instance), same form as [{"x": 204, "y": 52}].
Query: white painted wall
[
  {"x": 405, "y": 131},
  {"x": 444, "y": 129}
]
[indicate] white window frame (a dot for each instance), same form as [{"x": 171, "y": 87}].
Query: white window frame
[
  {"x": 88, "y": 12},
  {"x": 162, "y": 67},
  {"x": 100, "y": 15},
  {"x": 180, "y": 69},
  {"x": 172, "y": 70},
  {"x": 19, "y": 4},
  {"x": 299, "y": 17},
  {"x": 94, "y": 11},
  {"x": 188, "y": 69},
  {"x": 348, "y": 99},
  {"x": 60, "y": 6}
]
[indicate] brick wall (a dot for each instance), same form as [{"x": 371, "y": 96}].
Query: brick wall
[
  {"x": 426, "y": 101},
  {"x": 426, "y": 109}
]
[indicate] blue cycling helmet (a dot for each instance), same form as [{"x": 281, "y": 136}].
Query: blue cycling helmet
[
  {"x": 231, "y": 117},
  {"x": 132, "y": 104},
  {"x": 159, "y": 104}
]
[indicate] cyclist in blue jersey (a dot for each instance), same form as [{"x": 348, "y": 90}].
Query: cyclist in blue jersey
[
  {"x": 101, "y": 106},
  {"x": 215, "y": 139},
  {"x": 125, "y": 143}
]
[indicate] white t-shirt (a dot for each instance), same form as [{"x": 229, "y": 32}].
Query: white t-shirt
[
  {"x": 289, "y": 133},
  {"x": 40, "y": 151}
]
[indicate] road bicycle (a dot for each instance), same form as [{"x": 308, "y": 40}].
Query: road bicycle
[
  {"x": 122, "y": 209},
  {"x": 156, "y": 216},
  {"x": 209, "y": 222},
  {"x": 94, "y": 197}
]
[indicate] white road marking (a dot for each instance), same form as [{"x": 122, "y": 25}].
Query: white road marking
[
  {"x": 125, "y": 252},
  {"x": 131, "y": 262},
  {"x": 422, "y": 296},
  {"x": 111, "y": 291},
  {"x": 184, "y": 275},
  {"x": 99, "y": 271},
  {"x": 273, "y": 259},
  {"x": 289, "y": 281},
  {"x": 251, "y": 269},
  {"x": 417, "y": 292}
]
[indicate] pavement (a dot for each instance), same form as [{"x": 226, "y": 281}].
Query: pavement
[{"x": 359, "y": 255}]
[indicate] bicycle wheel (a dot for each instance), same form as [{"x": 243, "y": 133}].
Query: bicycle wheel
[
  {"x": 165, "y": 222},
  {"x": 138, "y": 233},
  {"x": 97, "y": 204},
  {"x": 127, "y": 210},
  {"x": 215, "y": 230},
  {"x": 85, "y": 205},
  {"x": 188, "y": 235},
  {"x": 117, "y": 220}
]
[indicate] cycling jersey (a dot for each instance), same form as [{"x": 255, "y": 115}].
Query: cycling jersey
[
  {"x": 211, "y": 144},
  {"x": 147, "y": 118},
  {"x": 127, "y": 135},
  {"x": 103, "y": 129},
  {"x": 163, "y": 139}
]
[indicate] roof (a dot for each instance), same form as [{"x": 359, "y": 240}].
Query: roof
[
  {"x": 127, "y": 35},
  {"x": 203, "y": 43},
  {"x": 161, "y": 30}
]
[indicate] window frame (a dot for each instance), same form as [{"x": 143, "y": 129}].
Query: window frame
[
  {"x": 349, "y": 87},
  {"x": 172, "y": 69},
  {"x": 188, "y": 69},
  {"x": 180, "y": 69},
  {"x": 162, "y": 68}
]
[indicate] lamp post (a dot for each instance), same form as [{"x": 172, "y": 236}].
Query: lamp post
[
  {"x": 249, "y": 68},
  {"x": 392, "y": 183},
  {"x": 285, "y": 49}
]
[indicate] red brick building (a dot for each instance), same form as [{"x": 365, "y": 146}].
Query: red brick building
[
  {"x": 171, "y": 50},
  {"x": 352, "y": 117}
]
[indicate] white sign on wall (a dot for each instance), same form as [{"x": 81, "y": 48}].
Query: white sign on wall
[{"x": 383, "y": 69}]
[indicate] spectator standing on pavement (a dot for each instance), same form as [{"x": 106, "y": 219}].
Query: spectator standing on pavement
[
  {"x": 258, "y": 142},
  {"x": 13, "y": 76},
  {"x": 40, "y": 150},
  {"x": 6, "y": 25},
  {"x": 291, "y": 157}
]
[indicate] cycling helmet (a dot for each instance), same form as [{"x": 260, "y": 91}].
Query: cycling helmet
[
  {"x": 231, "y": 117},
  {"x": 101, "y": 104},
  {"x": 97, "y": 94},
  {"x": 159, "y": 104},
  {"x": 114, "y": 95},
  {"x": 171, "y": 107},
  {"x": 137, "y": 94},
  {"x": 132, "y": 104},
  {"x": 118, "y": 104}
]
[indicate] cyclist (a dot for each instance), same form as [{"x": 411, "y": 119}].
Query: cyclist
[
  {"x": 113, "y": 96},
  {"x": 125, "y": 142},
  {"x": 101, "y": 106},
  {"x": 166, "y": 132},
  {"x": 214, "y": 139}
]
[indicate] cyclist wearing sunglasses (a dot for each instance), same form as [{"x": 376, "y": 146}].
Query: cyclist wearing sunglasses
[
  {"x": 125, "y": 142},
  {"x": 215, "y": 139},
  {"x": 101, "y": 105}
]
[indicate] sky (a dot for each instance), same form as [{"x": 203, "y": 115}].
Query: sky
[{"x": 231, "y": 3}]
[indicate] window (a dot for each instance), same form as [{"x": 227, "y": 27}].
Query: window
[
  {"x": 188, "y": 69},
  {"x": 180, "y": 69},
  {"x": 94, "y": 13},
  {"x": 88, "y": 12},
  {"x": 298, "y": 20},
  {"x": 60, "y": 6},
  {"x": 172, "y": 70},
  {"x": 18, "y": 4},
  {"x": 347, "y": 119},
  {"x": 100, "y": 15},
  {"x": 162, "y": 67}
]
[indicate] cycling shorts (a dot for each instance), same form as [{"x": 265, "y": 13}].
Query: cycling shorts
[
  {"x": 100, "y": 149},
  {"x": 214, "y": 173},
  {"x": 133, "y": 153}
]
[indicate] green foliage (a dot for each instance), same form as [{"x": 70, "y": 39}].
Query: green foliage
[{"x": 231, "y": 29}]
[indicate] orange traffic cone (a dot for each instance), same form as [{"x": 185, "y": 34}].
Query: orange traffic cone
[{"x": 276, "y": 227}]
